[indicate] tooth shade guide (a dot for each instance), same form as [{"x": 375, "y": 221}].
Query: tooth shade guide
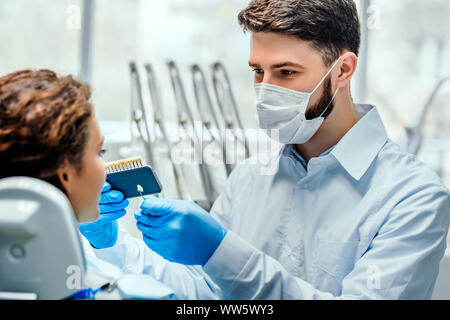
[{"x": 121, "y": 165}]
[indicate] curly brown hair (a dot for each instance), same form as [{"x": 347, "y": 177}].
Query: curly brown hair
[{"x": 44, "y": 122}]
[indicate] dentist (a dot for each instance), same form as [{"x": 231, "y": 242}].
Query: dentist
[{"x": 347, "y": 214}]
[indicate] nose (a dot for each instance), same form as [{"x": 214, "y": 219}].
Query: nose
[{"x": 268, "y": 79}]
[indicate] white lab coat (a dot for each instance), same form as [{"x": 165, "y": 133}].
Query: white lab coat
[{"x": 364, "y": 221}]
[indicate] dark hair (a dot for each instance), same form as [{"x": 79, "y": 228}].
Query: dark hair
[
  {"x": 43, "y": 123},
  {"x": 330, "y": 25}
]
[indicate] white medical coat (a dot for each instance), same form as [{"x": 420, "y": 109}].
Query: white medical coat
[{"x": 364, "y": 221}]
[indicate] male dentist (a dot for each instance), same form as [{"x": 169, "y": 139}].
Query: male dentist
[{"x": 347, "y": 214}]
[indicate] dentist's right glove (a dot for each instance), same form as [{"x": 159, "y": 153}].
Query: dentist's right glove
[{"x": 103, "y": 232}]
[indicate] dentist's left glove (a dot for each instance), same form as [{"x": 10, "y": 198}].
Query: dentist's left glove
[
  {"x": 103, "y": 232},
  {"x": 179, "y": 230}
]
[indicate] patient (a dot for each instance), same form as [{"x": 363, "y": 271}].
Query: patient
[{"x": 48, "y": 130}]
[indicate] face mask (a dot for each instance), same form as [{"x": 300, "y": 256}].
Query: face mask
[{"x": 282, "y": 112}]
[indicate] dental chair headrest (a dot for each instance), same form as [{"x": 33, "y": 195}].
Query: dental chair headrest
[{"x": 40, "y": 250}]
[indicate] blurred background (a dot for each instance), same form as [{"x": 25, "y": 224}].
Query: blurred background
[
  {"x": 403, "y": 65},
  {"x": 405, "y": 53}
]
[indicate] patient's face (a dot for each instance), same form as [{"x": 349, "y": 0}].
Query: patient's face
[{"x": 85, "y": 187}]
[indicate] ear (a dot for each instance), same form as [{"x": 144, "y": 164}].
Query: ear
[
  {"x": 348, "y": 64},
  {"x": 65, "y": 176}
]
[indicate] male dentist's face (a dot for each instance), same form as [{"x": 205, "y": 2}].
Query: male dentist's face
[{"x": 289, "y": 62}]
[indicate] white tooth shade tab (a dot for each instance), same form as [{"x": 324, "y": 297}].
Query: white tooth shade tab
[{"x": 121, "y": 165}]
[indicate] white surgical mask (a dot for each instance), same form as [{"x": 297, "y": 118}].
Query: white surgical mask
[{"x": 282, "y": 112}]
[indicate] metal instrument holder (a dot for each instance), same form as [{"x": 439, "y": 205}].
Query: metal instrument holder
[
  {"x": 159, "y": 123},
  {"x": 184, "y": 116},
  {"x": 138, "y": 114},
  {"x": 231, "y": 114},
  {"x": 208, "y": 117},
  {"x": 415, "y": 132}
]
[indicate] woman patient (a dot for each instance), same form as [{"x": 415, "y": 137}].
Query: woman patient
[{"x": 49, "y": 131}]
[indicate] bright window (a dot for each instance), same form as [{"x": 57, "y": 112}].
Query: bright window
[{"x": 40, "y": 34}]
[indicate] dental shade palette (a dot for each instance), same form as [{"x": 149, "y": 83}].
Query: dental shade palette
[{"x": 132, "y": 177}]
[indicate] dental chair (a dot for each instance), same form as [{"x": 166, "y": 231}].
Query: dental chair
[{"x": 41, "y": 254}]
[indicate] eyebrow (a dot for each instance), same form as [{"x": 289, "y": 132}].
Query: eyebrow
[
  {"x": 279, "y": 65},
  {"x": 287, "y": 64}
]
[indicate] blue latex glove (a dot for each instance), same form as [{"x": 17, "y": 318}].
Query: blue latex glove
[
  {"x": 103, "y": 232},
  {"x": 179, "y": 230}
]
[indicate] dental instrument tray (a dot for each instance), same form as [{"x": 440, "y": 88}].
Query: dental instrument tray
[{"x": 132, "y": 178}]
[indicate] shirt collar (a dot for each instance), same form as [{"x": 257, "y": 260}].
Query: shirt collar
[
  {"x": 359, "y": 147},
  {"x": 292, "y": 150}
]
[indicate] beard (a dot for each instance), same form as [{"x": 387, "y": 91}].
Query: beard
[{"x": 316, "y": 110}]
